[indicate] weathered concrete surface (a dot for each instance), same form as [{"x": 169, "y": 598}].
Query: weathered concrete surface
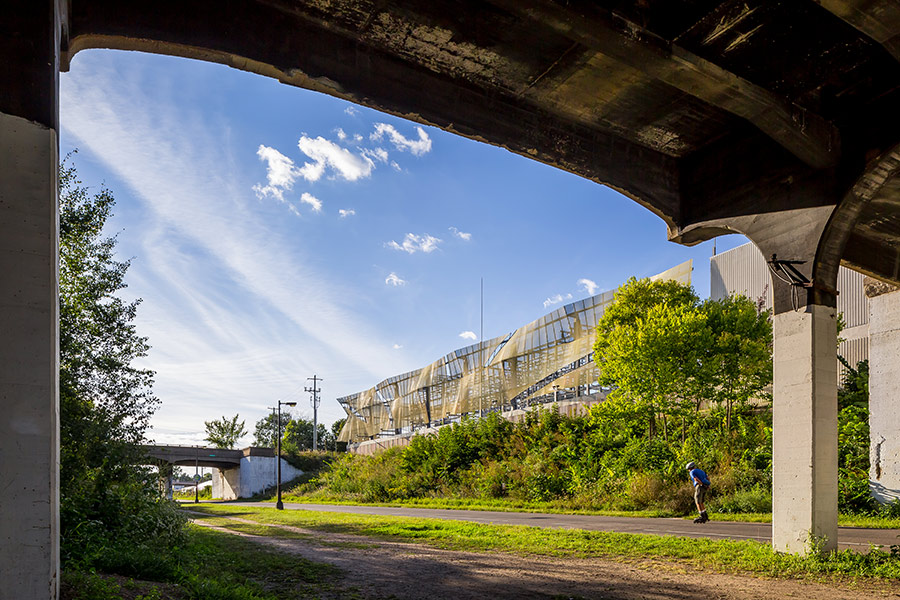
[
  {"x": 254, "y": 474},
  {"x": 804, "y": 430},
  {"x": 884, "y": 391},
  {"x": 700, "y": 111},
  {"x": 29, "y": 367}
]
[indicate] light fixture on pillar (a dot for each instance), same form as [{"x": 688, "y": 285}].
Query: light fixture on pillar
[{"x": 279, "y": 504}]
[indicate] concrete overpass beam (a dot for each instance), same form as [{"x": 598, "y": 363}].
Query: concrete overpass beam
[{"x": 29, "y": 368}]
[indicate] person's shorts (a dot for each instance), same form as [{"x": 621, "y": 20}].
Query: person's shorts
[{"x": 700, "y": 493}]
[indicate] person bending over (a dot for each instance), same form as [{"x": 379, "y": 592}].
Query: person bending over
[{"x": 701, "y": 486}]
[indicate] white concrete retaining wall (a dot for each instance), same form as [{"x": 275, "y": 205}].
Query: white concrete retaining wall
[{"x": 255, "y": 474}]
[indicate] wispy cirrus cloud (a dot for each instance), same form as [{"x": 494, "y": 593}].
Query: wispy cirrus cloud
[
  {"x": 413, "y": 243},
  {"x": 346, "y": 212},
  {"x": 468, "y": 335},
  {"x": 137, "y": 129},
  {"x": 461, "y": 234},
  {"x": 588, "y": 286},
  {"x": 394, "y": 280},
  {"x": 417, "y": 147},
  {"x": 556, "y": 299}
]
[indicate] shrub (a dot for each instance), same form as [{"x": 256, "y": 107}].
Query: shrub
[{"x": 754, "y": 500}]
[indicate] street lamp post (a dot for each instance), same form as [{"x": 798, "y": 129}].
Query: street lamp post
[
  {"x": 279, "y": 504},
  {"x": 197, "y": 475}
]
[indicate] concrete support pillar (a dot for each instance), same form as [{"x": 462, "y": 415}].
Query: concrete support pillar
[
  {"x": 884, "y": 390},
  {"x": 29, "y": 369},
  {"x": 30, "y": 34},
  {"x": 805, "y": 474}
]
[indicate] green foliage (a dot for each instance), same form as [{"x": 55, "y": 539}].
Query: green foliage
[
  {"x": 224, "y": 433},
  {"x": 266, "y": 433},
  {"x": 209, "y": 565},
  {"x": 298, "y": 436},
  {"x": 107, "y": 504},
  {"x": 854, "y": 390},
  {"x": 663, "y": 350}
]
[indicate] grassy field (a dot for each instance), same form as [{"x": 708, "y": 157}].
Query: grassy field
[
  {"x": 507, "y": 505},
  {"x": 212, "y": 566},
  {"x": 719, "y": 555}
]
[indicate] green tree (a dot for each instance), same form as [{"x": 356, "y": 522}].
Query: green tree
[
  {"x": 657, "y": 361},
  {"x": 336, "y": 428},
  {"x": 298, "y": 436},
  {"x": 663, "y": 349},
  {"x": 105, "y": 400},
  {"x": 739, "y": 357},
  {"x": 639, "y": 338},
  {"x": 224, "y": 433},
  {"x": 266, "y": 432}
]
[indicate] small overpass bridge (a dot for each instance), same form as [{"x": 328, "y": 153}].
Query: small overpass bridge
[
  {"x": 213, "y": 458},
  {"x": 237, "y": 474}
]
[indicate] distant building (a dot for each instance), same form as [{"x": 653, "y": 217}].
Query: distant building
[{"x": 547, "y": 360}]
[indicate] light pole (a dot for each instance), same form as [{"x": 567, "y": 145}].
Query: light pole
[
  {"x": 279, "y": 504},
  {"x": 197, "y": 475}
]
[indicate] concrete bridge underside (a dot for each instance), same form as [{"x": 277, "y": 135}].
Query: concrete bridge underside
[{"x": 778, "y": 120}]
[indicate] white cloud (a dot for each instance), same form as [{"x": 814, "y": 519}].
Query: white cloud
[
  {"x": 379, "y": 154},
  {"x": 556, "y": 299},
  {"x": 340, "y": 133},
  {"x": 395, "y": 347},
  {"x": 413, "y": 243},
  {"x": 461, "y": 234},
  {"x": 237, "y": 269},
  {"x": 394, "y": 280},
  {"x": 346, "y": 212},
  {"x": 589, "y": 286},
  {"x": 468, "y": 335},
  {"x": 327, "y": 154},
  {"x": 314, "y": 202},
  {"x": 280, "y": 173},
  {"x": 351, "y": 110},
  {"x": 396, "y": 166},
  {"x": 416, "y": 147},
  {"x": 357, "y": 138}
]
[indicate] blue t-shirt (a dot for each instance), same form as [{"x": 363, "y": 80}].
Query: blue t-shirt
[{"x": 695, "y": 474}]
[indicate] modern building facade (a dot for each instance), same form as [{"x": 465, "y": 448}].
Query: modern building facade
[{"x": 546, "y": 360}]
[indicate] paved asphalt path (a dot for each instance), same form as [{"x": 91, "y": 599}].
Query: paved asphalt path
[{"x": 856, "y": 538}]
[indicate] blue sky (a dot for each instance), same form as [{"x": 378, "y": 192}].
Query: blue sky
[{"x": 278, "y": 233}]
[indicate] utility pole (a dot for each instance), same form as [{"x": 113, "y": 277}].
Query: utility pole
[{"x": 314, "y": 390}]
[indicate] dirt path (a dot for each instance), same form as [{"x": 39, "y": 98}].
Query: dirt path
[{"x": 377, "y": 569}]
